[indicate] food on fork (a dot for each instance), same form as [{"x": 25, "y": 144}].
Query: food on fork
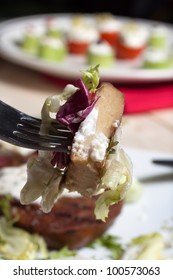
[
  {"x": 76, "y": 215},
  {"x": 96, "y": 164},
  {"x": 100, "y": 53}
]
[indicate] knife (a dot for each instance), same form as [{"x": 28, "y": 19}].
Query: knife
[{"x": 165, "y": 162}]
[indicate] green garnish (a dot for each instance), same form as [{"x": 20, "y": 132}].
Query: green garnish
[
  {"x": 5, "y": 206},
  {"x": 112, "y": 146},
  {"x": 90, "y": 78},
  {"x": 65, "y": 252},
  {"x": 111, "y": 243},
  {"x": 18, "y": 244}
]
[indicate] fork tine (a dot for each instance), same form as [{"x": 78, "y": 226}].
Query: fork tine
[
  {"x": 28, "y": 120},
  {"x": 32, "y": 121},
  {"x": 25, "y": 143},
  {"x": 45, "y": 139},
  {"x": 39, "y": 143},
  {"x": 35, "y": 130}
]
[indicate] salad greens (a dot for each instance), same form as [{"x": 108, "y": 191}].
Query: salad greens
[
  {"x": 62, "y": 253},
  {"x": 111, "y": 243},
  {"x": 116, "y": 181},
  {"x": 5, "y": 206},
  {"x": 91, "y": 78},
  {"x": 135, "y": 192},
  {"x": 145, "y": 247},
  {"x": 17, "y": 244}
]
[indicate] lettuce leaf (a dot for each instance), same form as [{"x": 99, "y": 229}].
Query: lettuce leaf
[
  {"x": 17, "y": 244},
  {"x": 115, "y": 182},
  {"x": 145, "y": 247}
]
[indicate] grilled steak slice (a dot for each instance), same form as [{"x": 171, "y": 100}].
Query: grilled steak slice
[{"x": 71, "y": 222}]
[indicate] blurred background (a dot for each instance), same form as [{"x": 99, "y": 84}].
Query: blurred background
[{"x": 149, "y": 9}]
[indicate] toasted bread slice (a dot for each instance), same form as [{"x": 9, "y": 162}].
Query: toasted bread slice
[
  {"x": 110, "y": 108},
  {"x": 84, "y": 172}
]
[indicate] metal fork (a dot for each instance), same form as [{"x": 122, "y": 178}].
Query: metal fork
[{"x": 22, "y": 130}]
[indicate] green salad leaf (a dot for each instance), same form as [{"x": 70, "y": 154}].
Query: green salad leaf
[
  {"x": 17, "y": 244},
  {"x": 145, "y": 247},
  {"x": 63, "y": 253},
  {"x": 114, "y": 183},
  {"x": 91, "y": 78},
  {"x": 5, "y": 206},
  {"x": 111, "y": 243}
]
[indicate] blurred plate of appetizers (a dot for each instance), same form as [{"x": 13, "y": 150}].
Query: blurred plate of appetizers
[{"x": 128, "y": 50}]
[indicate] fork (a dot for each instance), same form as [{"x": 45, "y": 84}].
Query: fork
[{"x": 22, "y": 130}]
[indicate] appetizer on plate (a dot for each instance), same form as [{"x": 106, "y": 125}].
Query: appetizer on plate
[
  {"x": 132, "y": 40},
  {"x": 52, "y": 28},
  {"x": 100, "y": 53},
  {"x": 103, "y": 39},
  {"x": 52, "y": 49},
  {"x": 80, "y": 36},
  {"x": 31, "y": 39},
  {"x": 108, "y": 27},
  {"x": 158, "y": 37},
  {"x": 156, "y": 58}
]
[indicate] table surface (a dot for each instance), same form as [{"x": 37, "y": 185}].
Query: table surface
[{"x": 26, "y": 90}]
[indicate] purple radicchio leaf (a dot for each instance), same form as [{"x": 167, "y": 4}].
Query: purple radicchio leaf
[{"x": 77, "y": 107}]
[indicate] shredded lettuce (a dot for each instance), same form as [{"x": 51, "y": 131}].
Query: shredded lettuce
[
  {"x": 43, "y": 180},
  {"x": 44, "y": 173},
  {"x": 111, "y": 243},
  {"x": 145, "y": 247},
  {"x": 17, "y": 244},
  {"x": 5, "y": 206},
  {"x": 63, "y": 253},
  {"x": 135, "y": 192},
  {"x": 115, "y": 182},
  {"x": 91, "y": 78}
]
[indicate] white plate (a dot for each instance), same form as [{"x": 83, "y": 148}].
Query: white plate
[
  {"x": 12, "y": 30},
  {"x": 150, "y": 213}
]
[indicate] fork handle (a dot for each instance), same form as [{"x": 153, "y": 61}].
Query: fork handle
[{"x": 165, "y": 162}]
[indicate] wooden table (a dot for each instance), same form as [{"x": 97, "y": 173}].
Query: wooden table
[{"x": 26, "y": 90}]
